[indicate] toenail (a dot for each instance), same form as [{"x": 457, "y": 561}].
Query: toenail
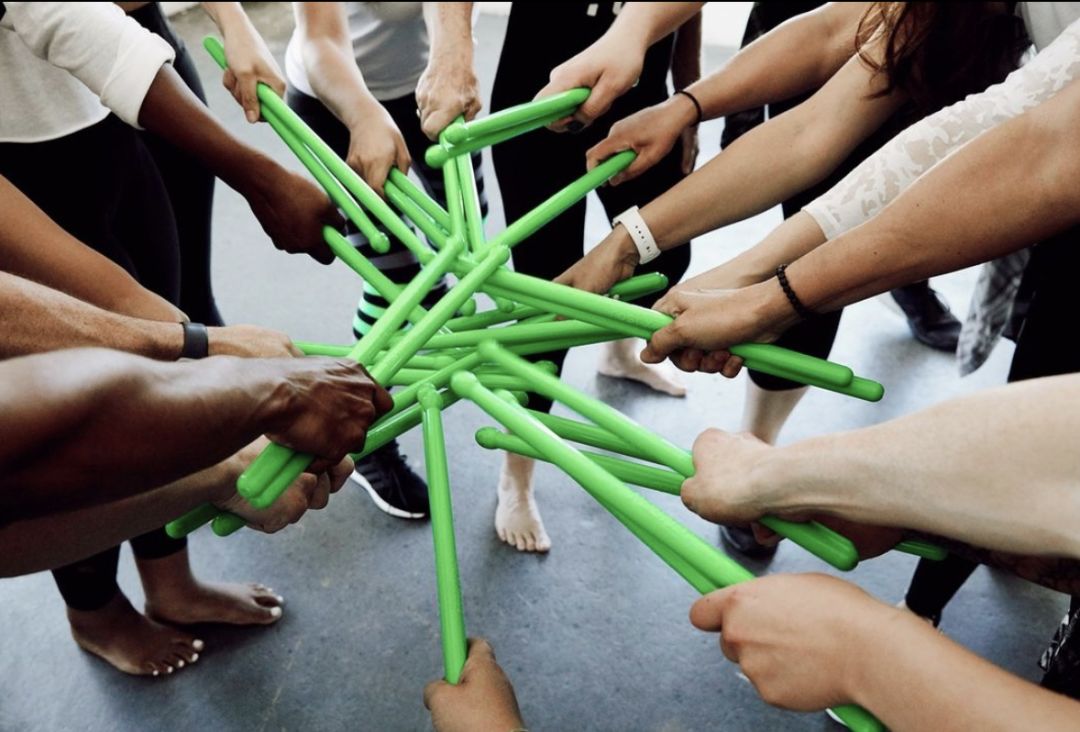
[
  {"x": 179, "y": 664},
  {"x": 156, "y": 672},
  {"x": 198, "y": 645},
  {"x": 194, "y": 657},
  {"x": 275, "y": 612},
  {"x": 168, "y": 669}
]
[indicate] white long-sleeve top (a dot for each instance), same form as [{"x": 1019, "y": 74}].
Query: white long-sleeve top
[
  {"x": 898, "y": 163},
  {"x": 63, "y": 66}
]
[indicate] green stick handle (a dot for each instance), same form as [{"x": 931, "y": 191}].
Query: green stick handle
[
  {"x": 437, "y": 155},
  {"x": 474, "y": 219},
  {"x": 638, "y": 286},
  {"x": 426, "y": 204},
  {"x": 646, "y": 476},
  {"x": 540, "y": 216},
  {"x": 630, "y": 512},
  {"x": 816, "y": 538},
  {"x": 225, "y": 524},
  {"x": 527, "y": 333},
  {"x": 379, "y": 241},
  {"x": 191, "y": 520},
  {"x": 704, "y": 558},
  {"x": 561, "y": 104},
  {"x": 451, "y": 616},
  {"x": 924, "y": 549},
  {"x": 261, "y": 473},
  {"x": 408, "y": 377}
]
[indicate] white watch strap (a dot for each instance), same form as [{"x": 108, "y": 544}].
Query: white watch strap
[{"x": 639, "y": 233}]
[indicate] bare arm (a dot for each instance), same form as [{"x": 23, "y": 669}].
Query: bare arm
[
  {"x": 68, "y": 416},
  {"x": 894, "y": 474},
  {"x": 448, "y": 87},
  {"x": 764, "y": 72},
  {"x": 765, "y": 166},
  {"x": 809, "y": 641},
  {"x": 954, "y": 216},
  {"x": 375, "y": 143},
  {"x": 613, "y": 63}
]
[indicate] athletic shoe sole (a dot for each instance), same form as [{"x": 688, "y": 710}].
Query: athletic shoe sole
[{"x": 381, "y": 503}]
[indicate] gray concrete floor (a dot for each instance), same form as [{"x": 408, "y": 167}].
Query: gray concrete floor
[{"x": 594, "y": 635}]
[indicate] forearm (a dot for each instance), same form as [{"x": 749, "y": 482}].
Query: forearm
[
  {"x": 449, "y": 27},
  {"x": 36, "y": 319},
  {"x": 69, "y": 415},
  {"x": 331, "y": 68},
  {"x": 895, "y": 474},
  {"x": 228, "y": 17},
  {"x": 34, "y": 247},
  {"x": 768, "y": 71},
  {"x": 686, "y": 56},
  {"x": 903, "y": 659},
  {"x": 173, "y": 112},
  {"x": 957, "y": 215},
  {"x": 46, "y": 542}
]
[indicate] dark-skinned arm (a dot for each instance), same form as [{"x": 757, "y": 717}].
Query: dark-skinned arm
[{"x": 82, "y": 427}]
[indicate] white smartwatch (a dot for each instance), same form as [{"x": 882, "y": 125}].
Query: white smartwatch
[{"x": 639, "y": 233}]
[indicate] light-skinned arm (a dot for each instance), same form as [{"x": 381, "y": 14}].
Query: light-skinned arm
[
  {"x": 952, "y": 217},
  {"x": 765, "y": 166},
  {"x": 113, "y": 424},
  {"x": 611, "y": 65},
  {"x": 763, "y": 73},
  {"x": 448, "y": 87},
  {"x": 807, "y": 642},
  {"x": 250, "y": 61},
  {"x": 894, "y": 474},
  {"x": 375, "y": 142}
]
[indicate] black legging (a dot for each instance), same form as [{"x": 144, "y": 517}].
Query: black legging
[
  {"x": 1041, "y": 350},
  {"x": 101, "y": 185},
  {"x": 532, "y": 167},
  {"x": 189, "y": 184}
]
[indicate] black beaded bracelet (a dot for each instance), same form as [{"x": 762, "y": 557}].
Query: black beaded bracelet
[
  {"x": 196, "y": 341},
  {"x": 697, "y": 105},
  {"x": 802, "y": 311}
]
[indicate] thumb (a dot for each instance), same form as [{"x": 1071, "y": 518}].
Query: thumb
[
  {"x": 662, "y": 344},
  {"x": 603, "y": 150},
  {"x": 599, "y": 101},
  {"x": 708, "y": 613},
  {"x": 431, "y": 690}
]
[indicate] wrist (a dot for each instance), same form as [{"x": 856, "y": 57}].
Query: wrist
[
  {"x": 160, "y": 341},
  {"x": 769, "y": 310},
  {"x": 871, "y": 671},
  {"x": 682, "y": 109},
  {"x": 623, "y": 247},
  {"x": 259, "y": 173}
]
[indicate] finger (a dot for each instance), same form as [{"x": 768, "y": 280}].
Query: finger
[
  {"x": 561, "y": 125},
  {"x": 662, "y": 343},
  {"x": 732, "y": 367},
  {"x": 320, "y": 497},
  {"x": 708, "y": 612},
  {"x": 714, "y": 361},
  {"x": 228, "y": 80},
  {"x": 339, "y": 474},
  {"x": 404, "y": 160},
  {"x": 249, "y": 99},
  {"x": 603, "y": 150},
  {"x": 599, "y": 101},
  {"x": 473, "y": 108},
  {"x": 375, "y": 175},
  {"x": 479, "y": 651},
  {"x": 764, "y": 536},
  {"x": 729, "y": 650},
  {"x": 382, "y": 399},
  {"x": 687, "y": 359},
  {"x": 432, "y": 690}
]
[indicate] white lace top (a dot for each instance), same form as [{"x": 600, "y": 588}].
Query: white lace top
[{"x": 885, "y": 174}]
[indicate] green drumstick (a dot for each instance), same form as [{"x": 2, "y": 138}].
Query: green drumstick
[
  {"x": 451, "y": 616},
  {"x": 561, "y": 104}
]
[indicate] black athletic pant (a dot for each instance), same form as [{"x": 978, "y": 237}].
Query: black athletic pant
[
  {"x": 532, "y": 167},
  {"x": 101, "y": 185},
  {"x": 189, "y": 184},
  {"x": 399, "y": 264}
]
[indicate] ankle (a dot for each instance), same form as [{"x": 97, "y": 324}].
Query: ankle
[{"x": 166, "y": 577}]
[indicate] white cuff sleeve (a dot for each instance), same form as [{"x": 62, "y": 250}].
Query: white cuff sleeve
[{"x": 112, "y": 54}]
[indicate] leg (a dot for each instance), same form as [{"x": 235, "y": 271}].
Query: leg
[
  {"x": 174, "y": 595},
  {"x": 189, "y": 185},
  {"x": 385, "y": 474},
  {"x": 104, "y": 623},
  {"x": 620, "y": 359},
  {"x": 934, "y": 584}
]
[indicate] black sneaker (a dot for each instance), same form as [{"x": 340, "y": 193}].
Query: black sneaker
[
  {"x": 392, "y": 484},
  {"x": 740, "y": 539},
  {"x": 930, "y": 320}
]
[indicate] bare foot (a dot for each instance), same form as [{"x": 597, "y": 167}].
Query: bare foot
[
  {"x": 173, "y": 595},
  {"x": 620, "y": 361},
  {"x": 517, "y": 517},
  {"x": 132, "y": 642}
]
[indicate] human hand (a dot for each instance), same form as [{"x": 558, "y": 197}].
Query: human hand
[
  {"x": 799, "y": 638},
  {"x": 608, "y": 68},
  {"x": 725, "y": 487},
  {"x": 448, "y": 88},
  {"x": 292, "y": 211},
  {"x": 310, "y": 491},
  {"x": 651, "y": 133},
  {"x": 482, "y": 701},
  {"x": 323, "y": 406},
  {"x": 708, "y": 322},
  {"x": 609, "y": 262},
  {"x": 249, "y": 62},
  {"x": 376, "y": 145},
  {"x": 250, "y": 341}
]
